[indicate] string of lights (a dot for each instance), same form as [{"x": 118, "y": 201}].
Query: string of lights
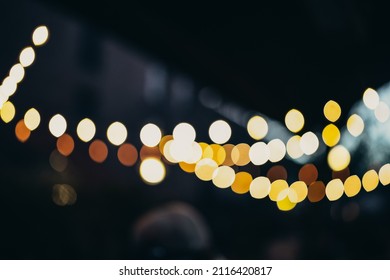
[{"x": 219, "y": 162}]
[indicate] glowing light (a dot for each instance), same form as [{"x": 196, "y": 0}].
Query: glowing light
[
  {"x": 294, "y": 120},
  {"x": 260, "y": 187},
  {"x": 338, "y": 158},
  {"x": 32, "y": 119},
  {"x": 300, "y": 193},
  {"x": 242, "y": 182},
  {"x": 40, "y": 35},
  {"x": 309, "y": 143},
  {"x": 163, "y": 141},
  {"x": 22, "y": 132},
  {"x": 259, "y": 153},
  {"x": 352, "y": 185},
  {"x": 285, "y": 204},
  {"x": 370, "y": 98},
  {"x": 331, "y": 135},
  {"x": 316, "y": 191},
  {"x": 308, "y": 173},
  {"x": 184, "y": 132},
  {"x": 127, "y": 154},
  {"x": 8, "y": 86},
  {"x": 277, "y": 172},
  {"x": 98, "y": 151},
  {"x": 167, "y": 152},
  {"x": 370, "y": 180},
  {"x": 294, "y": 147},
  {"x": 382, "y": 112},
  {"x": 86, "y": 130},
  {"x": 215, "y": 152},
  {"x": 17, "y": 73},
  {"x": 257, "y": 127},
  {"x": 65, "y": 144},
  {"x": 187, "y": 167},
  {"x": 187, "y": 152},
  {"x": 117, "y": 133},
  {"x": 228, "y": 152},
  {"x": 57, "y": 161},
  {"x": 277, "y": 150},
  {"x": 220, "y": 132},
  {"x": 57, "y": 125},
  {"x": 7, "y": 112},
  {"x": 384, "y": 174},
  {"x": 152, "y": 171},
  {"x": 205, "y": 168},
  {"x": 276, "y": 188},
  {"x": 150, "y": 135},
  {"x": 240, "y": 154},
  {"x": 63, "y": 195},
  {"x": 342, "y": 174},
  {"x": 332, "y": 111},
  {"x": 355, "y": 125},
  {"x": 223, "y": 177},
  {"x": 334, "y": 189},
  {"x": 148, "y": 152},
  {"x": 27, "y": 56}
]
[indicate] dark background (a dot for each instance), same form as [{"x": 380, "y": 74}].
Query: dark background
[{"x": 267, "y": 57}]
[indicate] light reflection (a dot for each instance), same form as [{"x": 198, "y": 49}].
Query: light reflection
[
  {"x": 57, "y": 161},
  {"x": 64, "y": 194}
]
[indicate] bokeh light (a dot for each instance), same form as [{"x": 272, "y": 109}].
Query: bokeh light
[
  {"x": 98, "y": 151},
  {"x": 240, "y": 154},
  {"x": 257, "y": 127},
  {"x": 277, "y": 187},
  {"x": 259, "y": 153},
  {"x": 32, "y": 119},
  {"x": 22, "y": 132},
  {"x": 341, "y": 174},
  {"x": 382, "y": 112},
  {"x": 58, "y": 162},
  {"x": 27, "y": 56},
  {"x": 86, "y": 130},
  {"x": 167, "y": 152},
  {"x": 294, "y": 149},
  {"x": 184, "y": 132},
  {"x": 150, "y": 135},
  {"x": 228, "y": 154},
  {"x": 334, "y": 189},
  {"x": 7, "y": 112},
  {"x": 242, "y": 182},
  {"x": 17, "y": 73},
  {"x": 371, "y": 98},
  {"x": 309, "y": 143},
  {"x": 149, "y": 152},
  {"x": 331, "y": 135},
  {"x": 332, "y": 111},
  {"x": 285, "y": 204},
  {"x": 223, "y": 177},
  {"x": 338, "y": 158},
  {"x": 163, "y": 141},
  {"x": 187, "y": 167},
  {"x": 384, "y": 174},
  {"x": 316, "y": 191},
  {"x": 40, "y": 35},
  {"x": 260, "y": 187},
  {"x": 8, "y": 87},
  {"x": 277, "y": 172},
  {"x": 355, "y": 125},
  {"x": 220, "y": 132},
  {"x": 57, "y": 125},
  {"x": 370, "y": 180},
  {"x": 65, "y": 144},
  {"x": 308, "y": 173},
  {"x": 301, "y": 192},
  {"x": 117, "y": 133},
  {"x": 64, "y": 194},
  {"x": 205, "y": 168},
  {"x": 352, "y": 185},
  {"x": 127, "y": 154},
  {"x": 277, "y": 150},
  {"x": 152, "y": 171},
  {"x": 294, "y": 120}
]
